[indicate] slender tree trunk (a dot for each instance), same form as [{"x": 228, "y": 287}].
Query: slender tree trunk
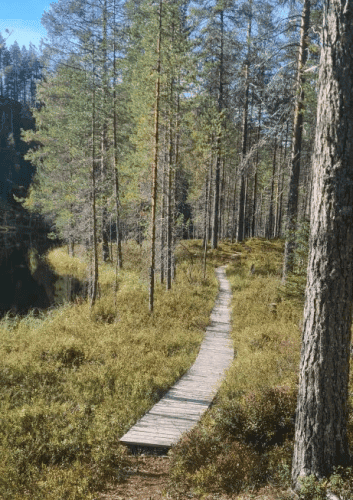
[
  {"x": 280, "y": 209},
  {"x": 246, "y": 202},
  {"x": 169, "y": 208},
  {"x": 104, "y": 145},
  {"x": 155, "y": 164},
  {"x": 227, "y": 210},
  {"x": 163, "y": 216},
  {"x": 105, "y": 220},
  {"x": 292, "y": 208},
  {"x": 253, "y": 222},
  {"x": 205, "y": 218},
  {"x": 234, "y": 221},
  {"x": 241, "y": 211},
  {"x": 219, "y": 145},
  {"x": 210, "y": 196},
  {"x": 94, "y": 276},
  {"x": 270, "y": 212},
  {"x": 119, "y": 257},
  {"x": 322, "y": 411}
]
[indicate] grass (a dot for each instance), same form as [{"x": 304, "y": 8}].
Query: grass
[
  {"x": 243, "y": 445},
  {"x": 73, "y": 380}
]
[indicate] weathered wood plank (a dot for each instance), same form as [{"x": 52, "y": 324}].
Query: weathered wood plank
[{"x": 183, "y": 405}]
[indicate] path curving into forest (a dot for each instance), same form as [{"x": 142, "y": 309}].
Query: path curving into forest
[{"x": 183, "y": 405}]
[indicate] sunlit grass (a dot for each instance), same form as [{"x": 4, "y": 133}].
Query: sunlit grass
[
  {"x": 234, "y": 447},
  {"x": 73, "y": 380}
]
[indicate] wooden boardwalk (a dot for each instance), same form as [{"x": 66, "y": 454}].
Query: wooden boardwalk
[{"x": 182, "y": 406}]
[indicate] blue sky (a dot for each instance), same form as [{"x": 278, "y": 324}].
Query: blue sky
[{"x": 22, "y": 17}]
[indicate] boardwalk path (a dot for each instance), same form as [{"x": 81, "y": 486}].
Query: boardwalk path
[{"x": 182, "y": 406}]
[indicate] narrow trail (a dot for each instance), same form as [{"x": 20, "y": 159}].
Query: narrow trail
[
  {"x": 183, "y": 405},
  {"x": 181, "y": 408}
]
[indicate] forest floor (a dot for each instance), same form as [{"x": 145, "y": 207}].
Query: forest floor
[{"x": 148, "y": 479}]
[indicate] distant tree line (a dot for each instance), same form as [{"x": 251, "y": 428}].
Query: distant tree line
[{"x": 20, "y": 69}]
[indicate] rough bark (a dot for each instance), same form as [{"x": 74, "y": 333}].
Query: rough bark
[
  {"x": 321, "y": 419},
  {"x": 292, "y": 207}
]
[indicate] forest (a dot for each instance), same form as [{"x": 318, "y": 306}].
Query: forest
[
  {"x": 175, "y": 120},
  {"x": 164, "y": 139}
]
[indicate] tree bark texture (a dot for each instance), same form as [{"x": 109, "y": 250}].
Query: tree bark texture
[
  {"x": 292, "y": 207},
  {"x": 321, "y": 432}
]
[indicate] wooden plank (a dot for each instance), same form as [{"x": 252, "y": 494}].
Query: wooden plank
[{"x": 183, "y": 405}]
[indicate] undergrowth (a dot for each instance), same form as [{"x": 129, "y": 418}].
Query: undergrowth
[
  {"x": 73, "y": 380},
  {"x": 244, "y": 443}
]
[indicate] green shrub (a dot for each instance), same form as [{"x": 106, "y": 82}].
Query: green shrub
[
  {"x": 261, "y": 418},
  {"x": 73, "y": 380}
]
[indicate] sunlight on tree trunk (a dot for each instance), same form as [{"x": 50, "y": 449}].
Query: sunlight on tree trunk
[{"x": 322, "y": 411}]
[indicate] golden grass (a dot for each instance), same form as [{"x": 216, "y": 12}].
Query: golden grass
[
  {"x": 243, "y": 446},
  {"x": 234, "y": 444},
  {"x": 73, "y": 380}
]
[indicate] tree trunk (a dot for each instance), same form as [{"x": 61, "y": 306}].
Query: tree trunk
[
  {"x": 215, "y": 229},
  {"x": 241, "y": 211},
  {"x": 281, "y": 187},
  {"x": 322, "y": 411},
  {"x": 253, "y": 222},
  {"x": 270, "y": 212},
  {"x": 94, "y": 274},
  {"x": 105, "y": 219},
  {"x": 163, "y": 214},
  {"x": 169, "y": 208},
  {"x": 104, "y": 145},
  {"x": 119, "y": 257},
  {"x": 155, "y": 165},
  {"x": 292, "y": 208}
]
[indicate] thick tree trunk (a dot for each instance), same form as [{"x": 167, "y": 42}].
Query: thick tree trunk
[
  {"x": 292, "y": 208},
  {"x": 321, "y": 419}
]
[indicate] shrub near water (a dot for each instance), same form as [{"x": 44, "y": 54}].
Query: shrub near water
[{"x": 74, "y": 380}]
